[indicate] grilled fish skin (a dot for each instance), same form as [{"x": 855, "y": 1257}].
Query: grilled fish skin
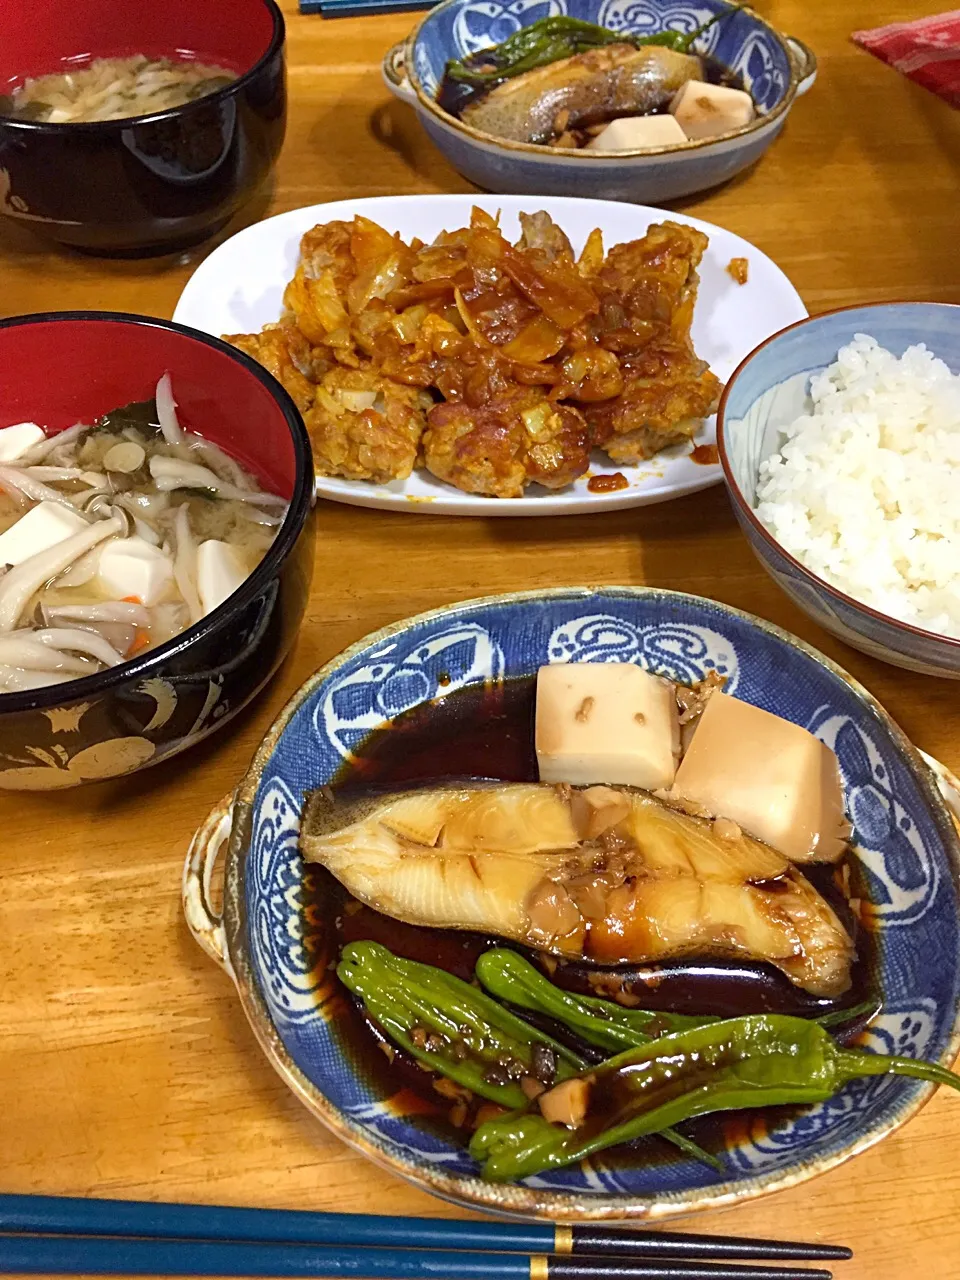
[
  {"x": 591, "y": 88},
  {"x": 608, "y": 874}
]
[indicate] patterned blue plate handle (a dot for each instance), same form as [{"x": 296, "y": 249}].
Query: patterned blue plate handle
[
  {"x": 204, "y": 922},
  {"x": 395, "y": 75},
  {"x": 805, "y": 60}
]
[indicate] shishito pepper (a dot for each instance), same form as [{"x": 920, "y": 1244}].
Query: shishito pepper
[
  {"x": 756, "y": 1061},
  {"x": 451, "y": 1027},
  {"x": 454, "y": 1029},
  {"x": 550, "y": 39},
  {"x": 508, "y": 976}
]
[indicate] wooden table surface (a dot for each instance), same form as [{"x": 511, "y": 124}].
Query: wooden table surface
[{"x": 126, "y": 1066}]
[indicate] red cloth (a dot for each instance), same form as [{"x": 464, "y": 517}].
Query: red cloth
[{"x": 927, "y": 51}]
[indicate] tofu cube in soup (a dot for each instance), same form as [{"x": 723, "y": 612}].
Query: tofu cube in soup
[
  {"x": 703, "y": 110},
  {"x": 636, "y": 133},
  {"x": 772, "y": 778},
  {"x": 221, "y": 569},
  {"x": 133, "y": 569},
  {"x": 16, "y": 440},
  {"x": 606, "y": 722},
  {"x": 42, "y": 527}
]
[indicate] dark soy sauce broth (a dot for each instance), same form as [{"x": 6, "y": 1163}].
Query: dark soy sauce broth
[
  {"x": 486, "y": 732},
  {"x": 453, "y": 96}
]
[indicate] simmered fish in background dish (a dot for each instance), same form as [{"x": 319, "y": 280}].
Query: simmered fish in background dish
[
  {"x": 591, "y": 87},
  {"x": 607, "y": 874},
  {"x": 563, "y": 82}
]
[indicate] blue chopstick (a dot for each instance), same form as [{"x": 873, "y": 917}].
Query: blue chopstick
[
  {"x": 65, "y": 1215},
  {"x": 92, "y": 1255},
  {"x": 357, "y": 8}
]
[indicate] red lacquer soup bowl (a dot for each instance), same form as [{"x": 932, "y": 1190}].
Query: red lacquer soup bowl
[
  {"x": 154, "y": 183},
  {"x": 66, "y": 367}
]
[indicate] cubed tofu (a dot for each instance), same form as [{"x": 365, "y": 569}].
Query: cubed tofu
[
  {"x": 132, "y": 568},
  {"x": 703, "y": 110},
  {"x": 18, "y": 439},
  {"x": 638, "y": 133},
  {"x": 42, "y": 527},
  {"x": 221, "y": 568},
  {"x": 606, "y": 722},
  {"x": 772, "y": 778}
]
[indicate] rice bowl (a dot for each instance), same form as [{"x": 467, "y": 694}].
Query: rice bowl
[
  {"x": 863, "y": 489},
  {"x": 763, "y": 398}
]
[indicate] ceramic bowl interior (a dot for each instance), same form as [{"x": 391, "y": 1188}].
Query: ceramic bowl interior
[
  {"x": 741, "y": 41},
  {"x": 766, "y": 393},
  {"x": 280, "y": 937},
  {"x": 36, "y": 40},
  {"x": 104, "y": 360}
]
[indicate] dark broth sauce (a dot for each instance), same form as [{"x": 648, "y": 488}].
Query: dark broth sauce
[
  {"x": 454, "y": 96},
  {"x": 486, "y": 732}
]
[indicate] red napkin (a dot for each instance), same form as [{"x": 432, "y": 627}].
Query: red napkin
[{"x": 927, "y": 51}]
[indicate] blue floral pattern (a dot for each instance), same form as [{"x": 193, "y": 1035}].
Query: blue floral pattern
[
  {"x": 904, "y": 876},
  {"x": 684, "y": 653},
  {"x": 908, "y": 853},
  {"x": 285, "y": 946},
  {"x": 640, "y": 17},
  {"x": 397, "y": 678}
]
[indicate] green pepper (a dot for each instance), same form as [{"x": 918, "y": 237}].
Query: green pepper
[
  {"x": 508, "y": 976},
  {"x": 756, "y": 1061},
  {"x": 550, "y": 39},
  {"x": 841, "y": 1017},
  {"x": 454, "y": 1029},
  {"x": 466, "y": 1035}
]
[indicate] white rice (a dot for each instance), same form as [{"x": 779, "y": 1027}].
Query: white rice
[{"x": 865, "y": 489}]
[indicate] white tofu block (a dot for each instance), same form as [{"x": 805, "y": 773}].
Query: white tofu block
[
  {"x": 18, "y": 439},
  {"x": 606, "y": 722},
  {"x": 132, "y": 567},
  {"x": 42, "y": 527},
  {"x": 220, "y": 570},
  {"x": 637, "y": 133},
  {"x": 703, "y": 110},
  {"x": 772, "y": 778}
]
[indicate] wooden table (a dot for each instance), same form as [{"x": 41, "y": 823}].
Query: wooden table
[{"x": 126, "y": 1066}]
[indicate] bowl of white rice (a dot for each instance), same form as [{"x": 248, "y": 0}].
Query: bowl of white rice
[{"x": 839, "y": 439}]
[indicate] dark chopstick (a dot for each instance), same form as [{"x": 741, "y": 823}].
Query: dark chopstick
[
  {"x": 680, "y": 1244},
  {"x": 91, "y": 1255},
  {"x": 64, "y": 1215}
]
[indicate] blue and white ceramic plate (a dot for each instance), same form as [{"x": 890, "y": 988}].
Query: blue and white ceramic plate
[{"x": 278, "y": 951}]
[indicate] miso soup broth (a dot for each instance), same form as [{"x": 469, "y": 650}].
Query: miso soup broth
[
  {"x": 117, "y": 536},
  {"x": 114, "y": 89}
]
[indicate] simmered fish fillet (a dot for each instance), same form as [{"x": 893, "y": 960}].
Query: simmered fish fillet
[
  {"x": 588, "y": 88},
  {"x": 606, "y": 873}
]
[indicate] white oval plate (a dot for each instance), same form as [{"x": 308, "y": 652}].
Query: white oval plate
[{"x": 239, "y": 288}]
